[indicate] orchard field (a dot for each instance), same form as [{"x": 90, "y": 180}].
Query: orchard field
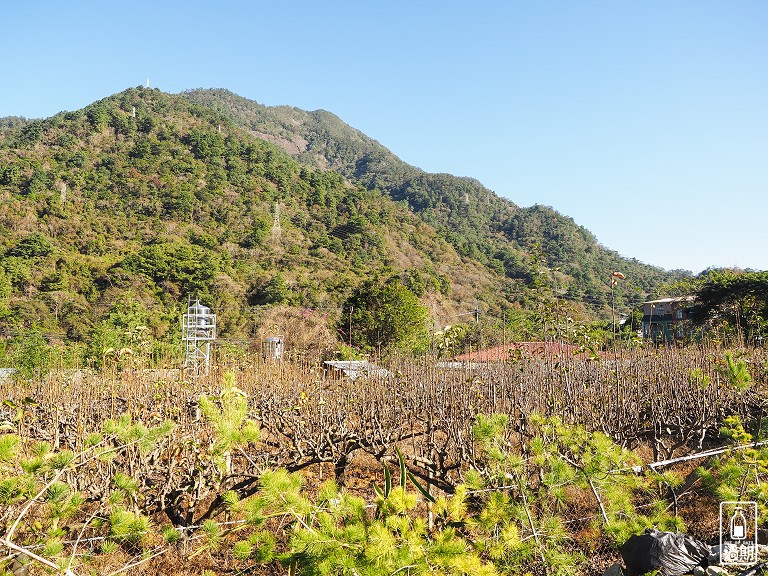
[{"x": 539, "y": 464}]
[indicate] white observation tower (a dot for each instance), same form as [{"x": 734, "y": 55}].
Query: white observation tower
[{"x": 198, "y": 330}]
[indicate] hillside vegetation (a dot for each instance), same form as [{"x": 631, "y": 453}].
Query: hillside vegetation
[
  {"x": 514, "y": 241},
  {"x": 114, "y": 214}
]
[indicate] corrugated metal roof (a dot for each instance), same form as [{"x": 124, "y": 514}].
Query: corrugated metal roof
[
  {"x": 671, "y": 299},
  {"x": 356, "y": 368}
]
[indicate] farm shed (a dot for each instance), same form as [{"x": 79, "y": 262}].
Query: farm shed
[{"x": 354, "y": 369}]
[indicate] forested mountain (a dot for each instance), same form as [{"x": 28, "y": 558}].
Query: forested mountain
[
  {"x": 112, "y": 215},
  {"x": 478, "y": 223}
]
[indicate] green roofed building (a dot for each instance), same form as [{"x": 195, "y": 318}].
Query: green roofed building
[{"x": 667, "y": 320}]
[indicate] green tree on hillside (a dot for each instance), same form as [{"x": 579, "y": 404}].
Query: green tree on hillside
[
  {"x": 6, "y": 290},
  {"x": 386, "y": 315},
  {"x": 32, "y": 245},
  {"x": 179, "y": 267},
  {"x": 734, "y": 302},
  {"x": 29, "y": 353},
  {"x": 274, "y": 291}
]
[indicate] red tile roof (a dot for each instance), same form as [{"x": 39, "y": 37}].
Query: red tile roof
[{"x": 525, "y": 349}]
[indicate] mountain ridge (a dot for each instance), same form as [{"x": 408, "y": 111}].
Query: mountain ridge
[{"x": 330, "y": 142}]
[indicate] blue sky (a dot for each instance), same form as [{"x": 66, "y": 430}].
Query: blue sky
[{"x": 646, "y": 122}]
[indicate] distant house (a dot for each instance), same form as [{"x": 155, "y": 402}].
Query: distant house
[
  {"x": 518, "y": 350},
  {"x": 668, "y": 319}
]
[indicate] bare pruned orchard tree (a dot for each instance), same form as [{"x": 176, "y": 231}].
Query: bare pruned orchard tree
[{"x": 295, "y": 417}]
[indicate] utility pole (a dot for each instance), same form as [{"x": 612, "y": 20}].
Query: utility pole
[
  {"x": 476, "y": 313},
  {"x": 351, "y": 308},
  {"x": 504, "y": 327}
]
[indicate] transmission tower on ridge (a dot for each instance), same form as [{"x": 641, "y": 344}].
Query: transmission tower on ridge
[
  {"x": 276, "y": 223},
  {"x": 198, "y": 330}
]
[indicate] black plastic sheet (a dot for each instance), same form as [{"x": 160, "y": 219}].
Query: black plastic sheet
[{"x": 672, "y": 554}]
